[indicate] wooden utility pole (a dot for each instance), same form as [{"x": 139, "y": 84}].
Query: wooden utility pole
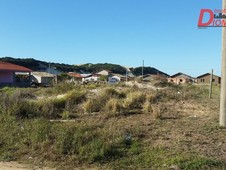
[
  {"x": 143, "y": 71},
  {"x": 223, "y": 75},
  {"x": 49, "y": 68},
  {"x": 211, "y": 84}
]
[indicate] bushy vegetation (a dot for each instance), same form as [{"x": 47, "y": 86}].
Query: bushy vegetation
[
  {"x": 73, "y": 100},
  {"x": 24, "y": 104}
]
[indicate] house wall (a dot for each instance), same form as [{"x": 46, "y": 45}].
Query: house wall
[
  {"x": 92, "y": 78},
  {"x": 47, "y": 80},
  {"x": 42, "y": 80},
  {"x": 6, "y": 77},
  {"x": 206, "y": 79},
  {"x": 37, "y": 78},
  {"x": 76, "y": 79},
  {"x": 178, "y": 80}
]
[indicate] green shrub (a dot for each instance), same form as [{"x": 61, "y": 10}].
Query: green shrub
[
  {"x": 47, "y": 109},
  {"x": 20, "y": 108},
  {"x": 134, "y": 100},
  {"x": 76, "y": 97},
  {"x": 24, "y": 109},
  {"x": 73, "y": 99},
  {"x": 60, "y": 88},
  {"x": 65, "y": 115}
]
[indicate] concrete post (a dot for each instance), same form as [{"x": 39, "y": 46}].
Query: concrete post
[{"x": 223, "y": 76}]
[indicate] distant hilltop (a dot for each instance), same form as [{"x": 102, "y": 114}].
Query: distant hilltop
[{"x": 37, "y": 65}]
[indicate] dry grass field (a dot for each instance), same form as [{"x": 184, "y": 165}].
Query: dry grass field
[{"x": 112, "y": 127}]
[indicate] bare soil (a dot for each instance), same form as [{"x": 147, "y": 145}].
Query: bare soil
[{"x": 18, "y": 166}]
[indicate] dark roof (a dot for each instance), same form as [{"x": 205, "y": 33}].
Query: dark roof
[
  {"x": 204, "y": 75},
  {"x": 178, "y": 74},
  {"x": 5, "y": 66}
]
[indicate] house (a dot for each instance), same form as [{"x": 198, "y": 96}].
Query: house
[
  {"x": 14, "y": 75},
  {"x": 91, "y": 77},
  {"x": 76, "y": 77},
  {"x": 43, "y": 78},
  {"x": 118, "y": 77},
  {"x": 205, "y": 79},
  {"x": 181, "y": 78}
]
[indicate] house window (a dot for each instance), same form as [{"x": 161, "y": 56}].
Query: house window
[
  {"x": 181, "y": 80},
  {"x": 202, "y": 80},
  {"x": 213, "y": 80}
]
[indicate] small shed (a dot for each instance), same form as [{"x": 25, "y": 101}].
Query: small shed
[{"x": 42, "y": 78}]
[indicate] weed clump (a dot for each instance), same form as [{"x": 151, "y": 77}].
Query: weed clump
[
  {"x": 108, "y": 99},
  {"x": 134, "y": 100},
  {"x": 147, "y": 107},
  {"x": 114, "y": 105},
  {"x": 92, "y": 105}
]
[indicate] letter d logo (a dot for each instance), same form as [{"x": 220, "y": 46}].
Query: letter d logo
[{"x": 202, "y": 12}]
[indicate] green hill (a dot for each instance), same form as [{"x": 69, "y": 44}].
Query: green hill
[{"x": 38, "y": 65}]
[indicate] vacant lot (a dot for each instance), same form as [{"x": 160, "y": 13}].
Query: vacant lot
[{"x": 112, "y": 127}]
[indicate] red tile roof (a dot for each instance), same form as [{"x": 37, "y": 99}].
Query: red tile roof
[{"x": 4, "y": 66}]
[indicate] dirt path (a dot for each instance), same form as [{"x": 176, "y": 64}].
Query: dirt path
[{"x": 17, "y": 166}]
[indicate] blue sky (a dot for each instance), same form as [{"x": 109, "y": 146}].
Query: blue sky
[{"x": 162, "y": 33}]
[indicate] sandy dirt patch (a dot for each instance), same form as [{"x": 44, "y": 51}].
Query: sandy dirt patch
[{"x": 17, "y": 166}]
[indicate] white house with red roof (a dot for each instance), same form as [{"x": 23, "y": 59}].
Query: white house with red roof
[
  {"x": 83, "y": 77},
  {"x": 14, "y": 75}
]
